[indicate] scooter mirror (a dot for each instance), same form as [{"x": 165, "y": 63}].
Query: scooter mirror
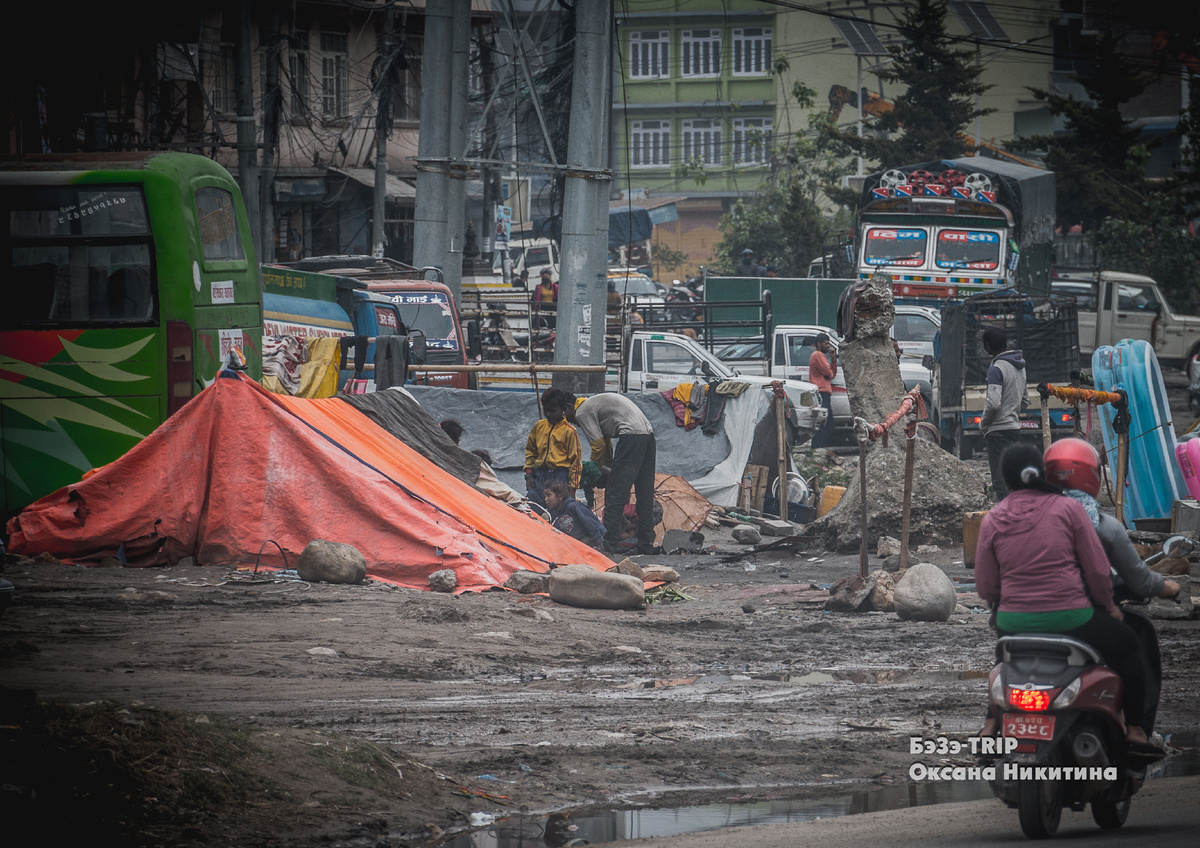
[{"x": 1178, "y": 546}]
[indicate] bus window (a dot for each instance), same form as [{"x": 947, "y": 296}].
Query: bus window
[
  {"x": 218, "y": 225},
  {"x": 973, "y": 249},
  {"x": 886, "y": 246},
  {"x": 78, "y": 256},
  {"x": 430, "y": 313}
]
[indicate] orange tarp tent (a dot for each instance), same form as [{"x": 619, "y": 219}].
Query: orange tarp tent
[{"x": 239, "y": 466}]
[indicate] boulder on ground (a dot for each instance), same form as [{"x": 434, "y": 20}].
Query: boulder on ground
[
  {"x": 925, "y": 593},
  {"x": 443, "y": 580},
  {"x": 659, "y": 574},
  {"x": 746, "y": 534},
  {"x": 528, "y": 582},
  {"x": 323, "y": 561},
  {"x": 886, "y": 547},
  {"x": 584, "y": 586},
  {"x": 628, "y": 566},
  {"x": 859, "y": 594},
  {"x": 1172, "y": 608}
]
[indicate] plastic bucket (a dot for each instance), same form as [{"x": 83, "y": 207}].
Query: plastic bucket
[
  {"x": 971, "y": 522},
  {"x": 830, "y": 496}
]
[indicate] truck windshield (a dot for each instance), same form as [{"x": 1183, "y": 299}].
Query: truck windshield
[
  {"x": 886, "y": 246},
  {"x": 975, "y": 249},
  {"x": 430, "y": 313}
]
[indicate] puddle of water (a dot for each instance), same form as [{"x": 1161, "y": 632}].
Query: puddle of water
[
  {"x": 597, "y": 826},
  {"x": 874, "y": 675}
]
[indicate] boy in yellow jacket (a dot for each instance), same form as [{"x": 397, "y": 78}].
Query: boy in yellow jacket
[{"x": 552, "y": 449}]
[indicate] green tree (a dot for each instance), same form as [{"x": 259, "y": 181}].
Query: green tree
[
  {"x": 940, "y": 83},
  {"x": 1099, "y": 162},
  {"x": 783, "y": 222}
]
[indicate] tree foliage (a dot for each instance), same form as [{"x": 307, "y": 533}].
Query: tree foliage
[
  {"x": 1156, "y": 245},
  {"x": 940, "y": 83},
  {"x": 1099, "y": 162},
  {"x": 783, "y": 222}
]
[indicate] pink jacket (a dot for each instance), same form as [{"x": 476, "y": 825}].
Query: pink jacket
[{"x": 1038, "y": 552}]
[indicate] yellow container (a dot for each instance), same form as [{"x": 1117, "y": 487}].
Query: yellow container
[
  {"x": 830, "y": 496},
  {"x": 971, "y": 522}
]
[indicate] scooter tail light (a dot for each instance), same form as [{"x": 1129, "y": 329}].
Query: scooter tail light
[
  {"x": 1067, "y": 696},
  {"x": 1030, "y": 700}
]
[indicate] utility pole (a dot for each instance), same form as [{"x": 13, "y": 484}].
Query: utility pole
[
  {"x": 456, "y": 193},
  {"x": 383, "y": 123},
  {"x": 582, "y": 289},
  {"x": 272, "y": 103},
  {"x": 430, "y": 239},
  {"x": 247, "y": 136}
]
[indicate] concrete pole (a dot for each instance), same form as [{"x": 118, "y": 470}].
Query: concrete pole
[
  {"x": 247, "y": 134},
  {"x": 383, "y": 121},
  {"x": 456, "y": 190},
  {"x": 430, "y": 238},
  {"x": 582, "y": 288}
]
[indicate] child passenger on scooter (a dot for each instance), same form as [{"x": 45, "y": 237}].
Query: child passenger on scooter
[{"x": 1040, "y": 559}]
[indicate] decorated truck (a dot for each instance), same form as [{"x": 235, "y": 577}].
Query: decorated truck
[{"x": 958, "y": 227}]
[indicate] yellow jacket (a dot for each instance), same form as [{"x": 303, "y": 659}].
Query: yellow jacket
[{"x": 554, "y": 446}]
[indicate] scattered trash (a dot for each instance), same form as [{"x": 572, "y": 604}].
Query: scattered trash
[{"x": 666, "y": 595}]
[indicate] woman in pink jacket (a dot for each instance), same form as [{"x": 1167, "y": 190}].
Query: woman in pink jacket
[{"x": 1040, "y": 559}]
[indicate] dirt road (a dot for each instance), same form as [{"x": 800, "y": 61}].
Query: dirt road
[{"x": 748, "y": 690}]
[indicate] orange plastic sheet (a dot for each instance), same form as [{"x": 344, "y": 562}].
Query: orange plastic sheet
[{"x": 238, "y": 466}]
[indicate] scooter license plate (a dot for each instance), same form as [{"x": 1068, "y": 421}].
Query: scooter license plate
[{"x": 1026, "y": 726}]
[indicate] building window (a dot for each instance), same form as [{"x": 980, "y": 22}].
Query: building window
[
  {"x": 407, "y": 105},
  {"x": 297, "y": 70},
  {"x": 751, "y": 51},
  {"x": 224, "y": 94},
  {"x": 651, "y": 144},
  {"x": 751, "y": 141},
  {"x": 335, "y": 75},
  {"x": 702, "y": 141},
  {"x": 701, "y": 52},
  {"x": 648, "y": 53}
]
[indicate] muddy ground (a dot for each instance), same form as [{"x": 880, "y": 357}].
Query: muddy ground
[{"x": 203, "y": 706}]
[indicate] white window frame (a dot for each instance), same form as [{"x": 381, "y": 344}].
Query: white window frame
[
  {"x": 650, "y": 140},
  {"x": 702, "y": 140},
  {"x": 752, "y": 52},
  {"x": 700, "y": 53},
  {"x": 649, "y": 54},
  {"x": 752, "y": 136},
  {"x": 335, "y": 75},
  {"x": 297, "y": 71}
]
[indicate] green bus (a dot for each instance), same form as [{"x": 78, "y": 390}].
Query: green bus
[{"x": 128, "y": 277}]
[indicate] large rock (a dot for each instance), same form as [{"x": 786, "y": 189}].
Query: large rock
[
  {"x": 925, "y": 593},
  {"x": 584, "y": 586},
  {"x": 858, "y": 594},
  {"x": 746, "y": 535},
  {"x": 443, "y": 580},
  {"x": 323, "y": 561},
  {"x": 943, "y": 487},
  {"x": 528, "y": 582}
]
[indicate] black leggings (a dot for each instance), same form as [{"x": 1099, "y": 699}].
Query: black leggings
[{"x": 1118, "y": 646}]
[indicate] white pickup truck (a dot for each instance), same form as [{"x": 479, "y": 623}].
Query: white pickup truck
[
  {"x": 657, "y": 362},
  {"x": 1112, "y": 305}
]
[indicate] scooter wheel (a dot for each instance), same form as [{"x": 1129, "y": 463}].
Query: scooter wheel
[
  {"x": 1039, "y": 807},
  {"x": 1110, "y": 814}
]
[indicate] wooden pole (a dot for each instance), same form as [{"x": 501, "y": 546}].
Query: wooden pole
[
  {"x": 1122, "y": 456},
  {"x": 1045, "y": 424},
  {"x": 909, "y": 452},
  {"x": 862, "y": 488},
  {"x": 780, "y": 425}
]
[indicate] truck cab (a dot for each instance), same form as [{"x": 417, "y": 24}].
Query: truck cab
[
  {"x": 659, "y": 362},
  {"x": 1113, "y": 305},
  {"x": 428, "y": 308}
]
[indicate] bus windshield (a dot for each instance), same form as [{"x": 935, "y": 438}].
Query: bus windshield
[
  {"x": 887, "y": 246},
  {"x": 430, "y": 313}
]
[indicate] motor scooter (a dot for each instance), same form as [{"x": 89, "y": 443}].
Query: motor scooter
[{"x": 1062, "y": 727}]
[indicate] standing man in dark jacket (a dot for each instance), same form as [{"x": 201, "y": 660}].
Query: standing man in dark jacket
[{"x": 1007, "y": 395}]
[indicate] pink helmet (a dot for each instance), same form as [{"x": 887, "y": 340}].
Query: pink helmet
[{"x": 1073, "y": 464}]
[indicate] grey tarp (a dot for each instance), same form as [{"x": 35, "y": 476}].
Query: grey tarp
[
  {"x": 395, "y": 411},
  {"x": 500, "y": 422}
]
